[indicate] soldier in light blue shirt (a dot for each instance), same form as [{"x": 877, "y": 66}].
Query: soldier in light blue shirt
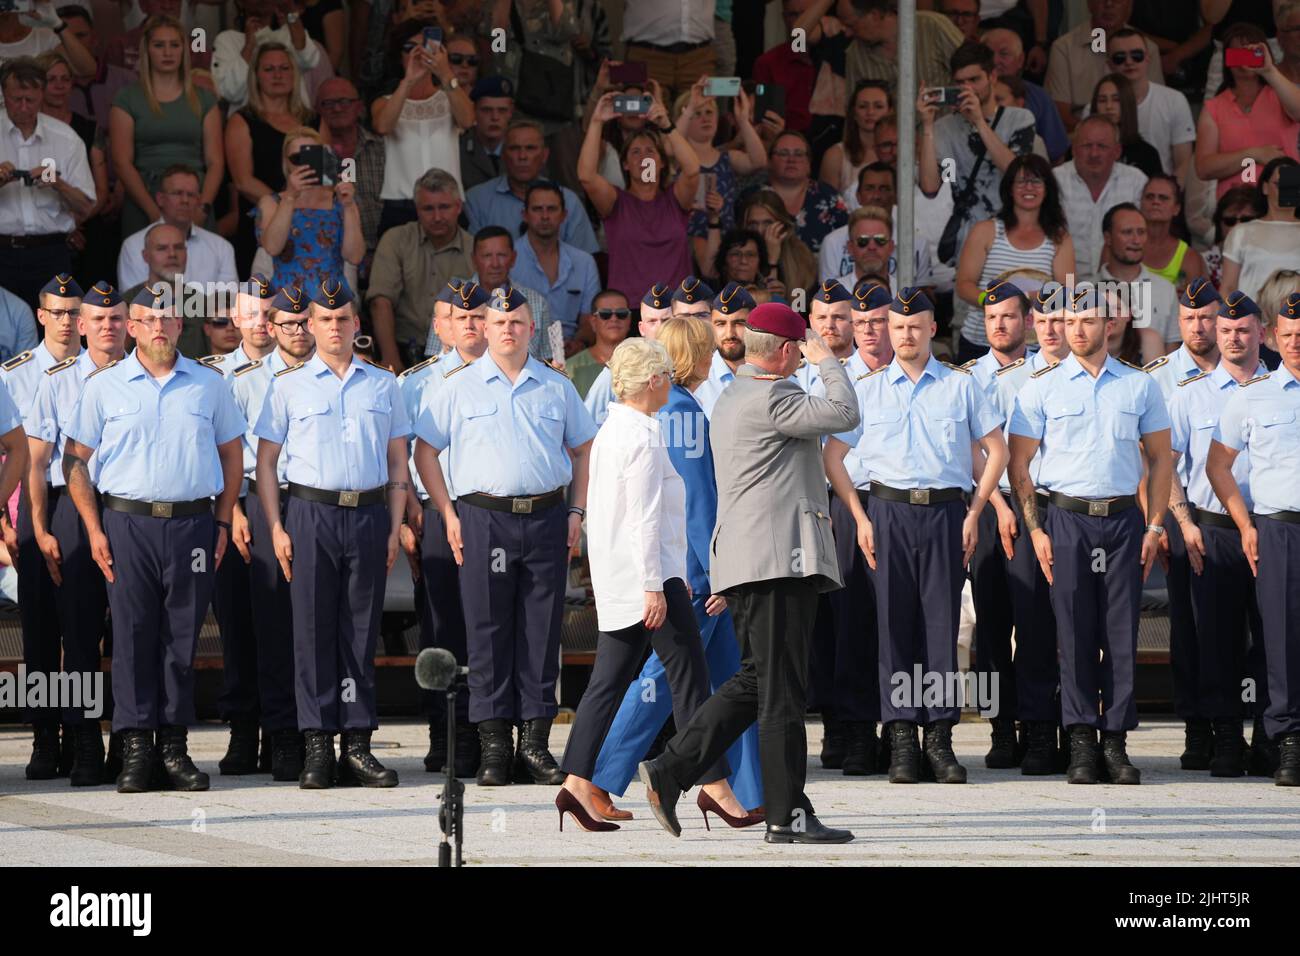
[
  {"x": 656, "y": 306},
  {"x": 164, "y": 432},
  {"x": 830, "y": 316},
  {"x": 340, "y": 422},
  {"x": 1262, "y": 419},
  {"x": 1096, "y": 420},
  {"x": 692, "y": 299},
  {"x": 519, "y": 434},
  {"x": 920, "y": 419},
  {"x": 1198, "y": 311},
  {"x": 730, "y": 310}
]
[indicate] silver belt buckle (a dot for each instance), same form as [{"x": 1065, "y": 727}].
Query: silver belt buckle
[
  {"x": 919, "y": 496},
  {"x": 1099, "y": 509},
  {"x": 161, "y": 509},
  {"x": 348, "y": 499},
  {"x": 521, "y": 506}
]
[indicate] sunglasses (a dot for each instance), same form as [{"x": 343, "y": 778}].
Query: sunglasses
[
  {"x": 608, "y": 314},
  {"x": 878, "y": 241},
  {"x": 463, "y": 59},
  {"x": 1234, "y": 220},
  {"x": 1123, "y": 56}
]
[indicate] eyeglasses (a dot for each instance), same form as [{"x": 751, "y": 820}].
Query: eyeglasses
[
  {"x": 1234, "y": 220},
  {"x": 463, "y": 59},
  {"x": 1027, "y": 181},
  {"x": 739, "y": 253},
  {"x": 58, "y": 315},
  {"x": 879, "y": 241},
  {"x": 337, "y": 104},
  {"x": 790, "y": 153},
  {"x": 608, "y": 314},
  {"x": 886, "y": 144},
  {"x": 156, "y": 321},
  {"x": 293, "y": 326},
  {"x": 1120, "y": 57}
]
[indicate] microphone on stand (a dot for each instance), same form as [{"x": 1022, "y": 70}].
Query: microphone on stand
[{"x": 436, "y": 670}]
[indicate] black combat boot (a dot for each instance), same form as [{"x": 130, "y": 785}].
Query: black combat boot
[
  {"x": 113, "y": 762},
  {"x": 1083, "y": 755},
  {"x": 1040, "y": 757},
  {"x": 494, "y": 737},
  {"x": 468, "y": 749},
  {"x": 937, "y": 745},
  {"x": 358, "y": 766},
  {"x": 833, "y": 742},
  {"x": 1263, "y": 751},
  {"x": 44, "y": 764},
  {"x": 318, "y": 766},
  {"x": 904, "y": 753},
  {"x": 860, "y": 746},
  {"x": 173, "y": 750},
  {"x": 1002, "y": 754},
  {"x": 535, "y": 752},
  {"x": 1114, "y": 759},
  {"x": 241, "y": 755},
  {"x": 88, "y": 754},
  {"x": 287, "y": 754},
  {"x": 138, "y": 758},
  {"x": 436, "y": 758},
  {"x": 1198, "y": 744},
  {"x": 1288, "y": 767},
  {"x": 1229, "y": 758}
]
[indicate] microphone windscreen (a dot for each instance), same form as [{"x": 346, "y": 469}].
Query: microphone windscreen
[{"x": 435, "y": 668}]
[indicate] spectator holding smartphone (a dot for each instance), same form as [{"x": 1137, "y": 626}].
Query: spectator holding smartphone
[
  {"x": 233, "y": 51},
  {"x": 792, "y": 263}
]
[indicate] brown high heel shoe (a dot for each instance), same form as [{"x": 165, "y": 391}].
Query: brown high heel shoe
[
  {"x": 566, "y": 802},
  {"x": 601, "y": 800},
  {"x": 708, "y": 805}
]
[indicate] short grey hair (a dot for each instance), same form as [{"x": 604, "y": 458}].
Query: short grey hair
[
  {"x": 634, "y": 363},
  {"x": 762, "y": 344},
  {"x": 437, "y": 181}
]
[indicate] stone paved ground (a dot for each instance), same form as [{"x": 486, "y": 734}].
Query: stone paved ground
[{"x": 999, "y": 817}]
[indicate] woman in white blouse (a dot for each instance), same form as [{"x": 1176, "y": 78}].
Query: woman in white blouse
[{"x": 636, "y": 540}]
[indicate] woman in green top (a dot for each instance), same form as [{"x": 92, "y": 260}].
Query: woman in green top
[
  {"x": 613, "y": 321},
  {"x": 1168, "y": 255},
  {"x": 163, "y": 120}
]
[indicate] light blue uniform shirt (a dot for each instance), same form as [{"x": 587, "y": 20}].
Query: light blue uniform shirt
[
  {"x": 249, "y": 389},
  {"x": 854, "y": 463},
  {"x": 415, "y": 384},
  {"x": 227, "y": 363},
  {"x": 601, "y": 394},
  {"x": 156, "y": 440},
  {"x": 1263, "y": 419},
  {"x": 56, "y": 399},
  {"x": 1178, "y": 366},
  {"x": 577, "y": 280},
  {"x": 720, "y": 376},
  {"x": 493, "y": 204},
  {"x": 335, "y": 431},
  {"x": 1089, "y": 428},
  {"x": 10, "y": 417},
  {"x": 510, "y": 439},
  {"x": 22, "y": 373},
  {"x": 17, "y": 326},
  {"x": 1193, "y": 414},
  {"x": 1002, "y": 385},
  {"x": 918, "y": 435}
]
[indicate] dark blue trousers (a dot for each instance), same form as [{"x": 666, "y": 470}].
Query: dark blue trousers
[
  {"x": 990, "y": 575},
  {"x": 1097, "y": 598},
  {"x": 272, "y": 614},
  {"x": 1184, "y": 657},
  {"x": 82, "y": 598},
  {"x": 1278, "y": 589},
  {"x": 1037, "y": 676},
  {"x": 855, "y": 683},
  {"x": 37, "y": 604},
  {"x": 1223, "y": 599},
  {"x": 512, "y": 585},
  {"x": 442, "y": 621},
  {"x": 339, "y": 577},
  {"x": 164, "y": 579},
  {"x": 232, "y": 608},
  {"x": 919, "y": 577}
]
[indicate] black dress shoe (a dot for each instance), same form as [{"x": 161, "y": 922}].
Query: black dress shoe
[
  {"x": 497, "y": 753},
  {"x": 806, "y": 828},
  {"x": 1198, "y": 744},
  {"x": 535, "y": 753},
  {"x": 88, "y": 754},
  {"x": 174, "y": 752},
  {"x": 241, "y": 754},
  {"x": 1002, "y": 753},
  {"x": 1229, "y": 758},
  {"x": 663, "y": 795},
  {"x": 1040, "y": 757},
  {"x": 1114, "y": 758},
  {"x": 318, "y": 766},
  {"x": 287, "y": 754},
  {"x": 1264, "y": 757},
  {"x": 860, "y": 746},
  {"x": 358, "y": 766},
  {"x": 44, "y": 764},
  {"x": 1083, "y": 755},
  {"x": 138, "y": 759},
  {"x": 938, "y": 753},
  {"x": 904, "y": 753},
  {"x": 1288, "y": 768}
]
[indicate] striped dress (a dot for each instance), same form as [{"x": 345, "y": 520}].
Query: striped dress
[{"x": 1002, "y": 257}]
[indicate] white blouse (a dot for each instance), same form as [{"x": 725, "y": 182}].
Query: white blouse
[
  {"x": 636, "y": 516},
  {"x": 425, "y": 138}
]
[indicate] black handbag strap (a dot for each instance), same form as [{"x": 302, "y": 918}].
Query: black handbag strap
[{"x": 969, "y": 186}]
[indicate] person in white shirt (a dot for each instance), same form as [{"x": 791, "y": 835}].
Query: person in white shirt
[
  {"x": 636, "y": 539},
  {"x": 1091, "y": 183},
  {"x": 876, "y": 187},
  {"x": 1151, "y": 299},
  {"x": 233, "y": 50},
  {"x": 1257, "y": 249},
  {"x": 210, "y": 257},
  {"x": 39, "y": 31},
  {"x": 871, "y": 247}
]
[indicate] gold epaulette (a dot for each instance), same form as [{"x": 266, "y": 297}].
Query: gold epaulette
[
  {"x": 247, "y": 367},
  {"x": 957, "y": 368},
  {"x": 1007, "y": 368},
  {"x": 210, "y": 366},
  {"x": 22, "y": 358},
  {"x": 66, "y": 363},
  {"x": 559, "y": 368},
  {"x": 1044, "y": 371},
  {"x": 211, "y": 360},
  {"x": 768, "y": 378},
  {"x": 370, "y": 361},
  {"x": 1152, "y": 366},
  {"x": 1136, "y": 368},
  {"x": 415, "y": 368},
  {"x": 965, "y": 366},
  {"x": 1194, "y": 378},
  {"x": 1257, "y": 378},
  {"x": 289, "y": 368},
  {"x": 102, "y": 367},
  {"x": 462, "y": 365},
  {"x": 871, "y": 373}
]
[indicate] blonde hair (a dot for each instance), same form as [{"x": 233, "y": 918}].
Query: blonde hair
[
  {"x": 634, "y": 363},
  {"x": 298, "y": 132},
  {"x": 797, "y": 264},
  {"x": 688, "y": 343},
  {"x": 50, "y": 57},
  {"x": 876, "y": 213},
  {"x": 1273, "y": 293},
  {"x": 297, "y": 108},
  {"x": 152, "y": 26}
]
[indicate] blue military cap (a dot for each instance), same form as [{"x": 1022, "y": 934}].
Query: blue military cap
[
  {"x": 733, "y": 298},
  {"x": 1290, "y": 306},
  {"x": 832, "y": 291},
  {"x": 104, "y": 294},
  {"x": 290, "y": 299},
  {"x": 1084, "y": 297},
  {"x": 1237, "y": 306},
  {"x": 1199, "y": 293},
  {"x": 870, "y": 295},
  {"x": 911, "y": 300},
  {"x": 1002, "y": 291},
  {"x": 448, "y": 292},
  {"x": 692, "y": 290},
  {"x": 659, "y": 296},
  {"x": 506, "y": 299},
  {"x": 154, "y": 297},
  {"x": 493, "y": 86},
  {"x": 1048, "y": 299},
  {"x": 259, "y": 287},
  {"x": 331, "y": 294},
  {"x": 64, "y": 285},
  {"x": 469, "y": 296}
]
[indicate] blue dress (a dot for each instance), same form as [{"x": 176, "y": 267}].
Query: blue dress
[
  {"x": 314, "y": 250},
  {"x": 639, "y": 720}
]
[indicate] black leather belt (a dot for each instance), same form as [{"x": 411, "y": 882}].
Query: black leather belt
[
  {"x": 670, "y": 47},
  {"x": 1215, "y": 520},
  {"x": 158, "y": 509},
  {"x": 917, "y": 496},
  {"x": 525, "y": 505},
  {"x": 252, "y": 486},
  {"x": 343, "y": 499},
  {"x": 1095, "y": 507},
  {"x": 1290, "y": 517},
  {"x": 33, "y": 242}
]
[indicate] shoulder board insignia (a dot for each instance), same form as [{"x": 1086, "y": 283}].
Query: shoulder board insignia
[
  {"x": 211, "y": 360},
  {"x": 768, "y": 378},
  {"x": 1136, "y": 368},
  {"x": 557, "y": 368},
  {"x": 66, "y": 363},
  {"x": 1152, "y": 366},
  {"x": 247, "y": 367},
  {"x": 291, "y": 368},
  {"x": 415, "y": 368},
  {"x": 462, "y": 365},
  {"x": 1043, "y": 371},
  {"x": 844, "y": 361},
  {"x": 372, "y": 362},
  {"x": 965, "y": 365},
  {"x": 1257, "y": 378},
  {"x": 1194, "y": 378},
  {"x": 1007, "y": 368},
  {"x": 210, "y": 366},
  {"x": 21, "y": 358},
  {"x": 958, "y": 368},
  {"x": 871, "y": 373},
  {"x": 102, "y": 367}
]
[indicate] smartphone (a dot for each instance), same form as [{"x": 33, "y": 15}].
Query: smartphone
[
  {"x": 1241, "y": 56},
  {"x": 629, "y": 74},
  {"x": 432, "y": 36},
  {"x": 768, "y": 96},
  {"x": 944, "y": 95},
  {"x": 322, "y": 160},
  {"x": 722, "y": 86},
  {"x": 708, "y": 183},
  {"x": 632, "y": 105}
]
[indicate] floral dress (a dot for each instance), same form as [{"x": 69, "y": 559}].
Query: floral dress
[
  {"x": 314, "y": 250},
  {"x": 823, "y": 212}
]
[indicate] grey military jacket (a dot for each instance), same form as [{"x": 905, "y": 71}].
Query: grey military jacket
[{"x": 773, "y": 514}]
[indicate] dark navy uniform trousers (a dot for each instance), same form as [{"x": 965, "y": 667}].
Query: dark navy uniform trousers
[
  {"x": 164, "y": 580},
  {"x": 82, "y": 598},
  {"x": 272, "y": 620},
  {"x": 1278, "y": 591},
  {"x": 512, "y": 585},
  {"x": 437, "y": 594},
  {"x": 919, "y": 577},
  {"x": 37, "y": 603},
  {"x": 339, "y": 578},
  {"x": 1097, "y": 594},
  {"x": 232, "y": 608},
  {"x": 1183, "y": 641},
  {"x": 1227, "y": 618}
]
